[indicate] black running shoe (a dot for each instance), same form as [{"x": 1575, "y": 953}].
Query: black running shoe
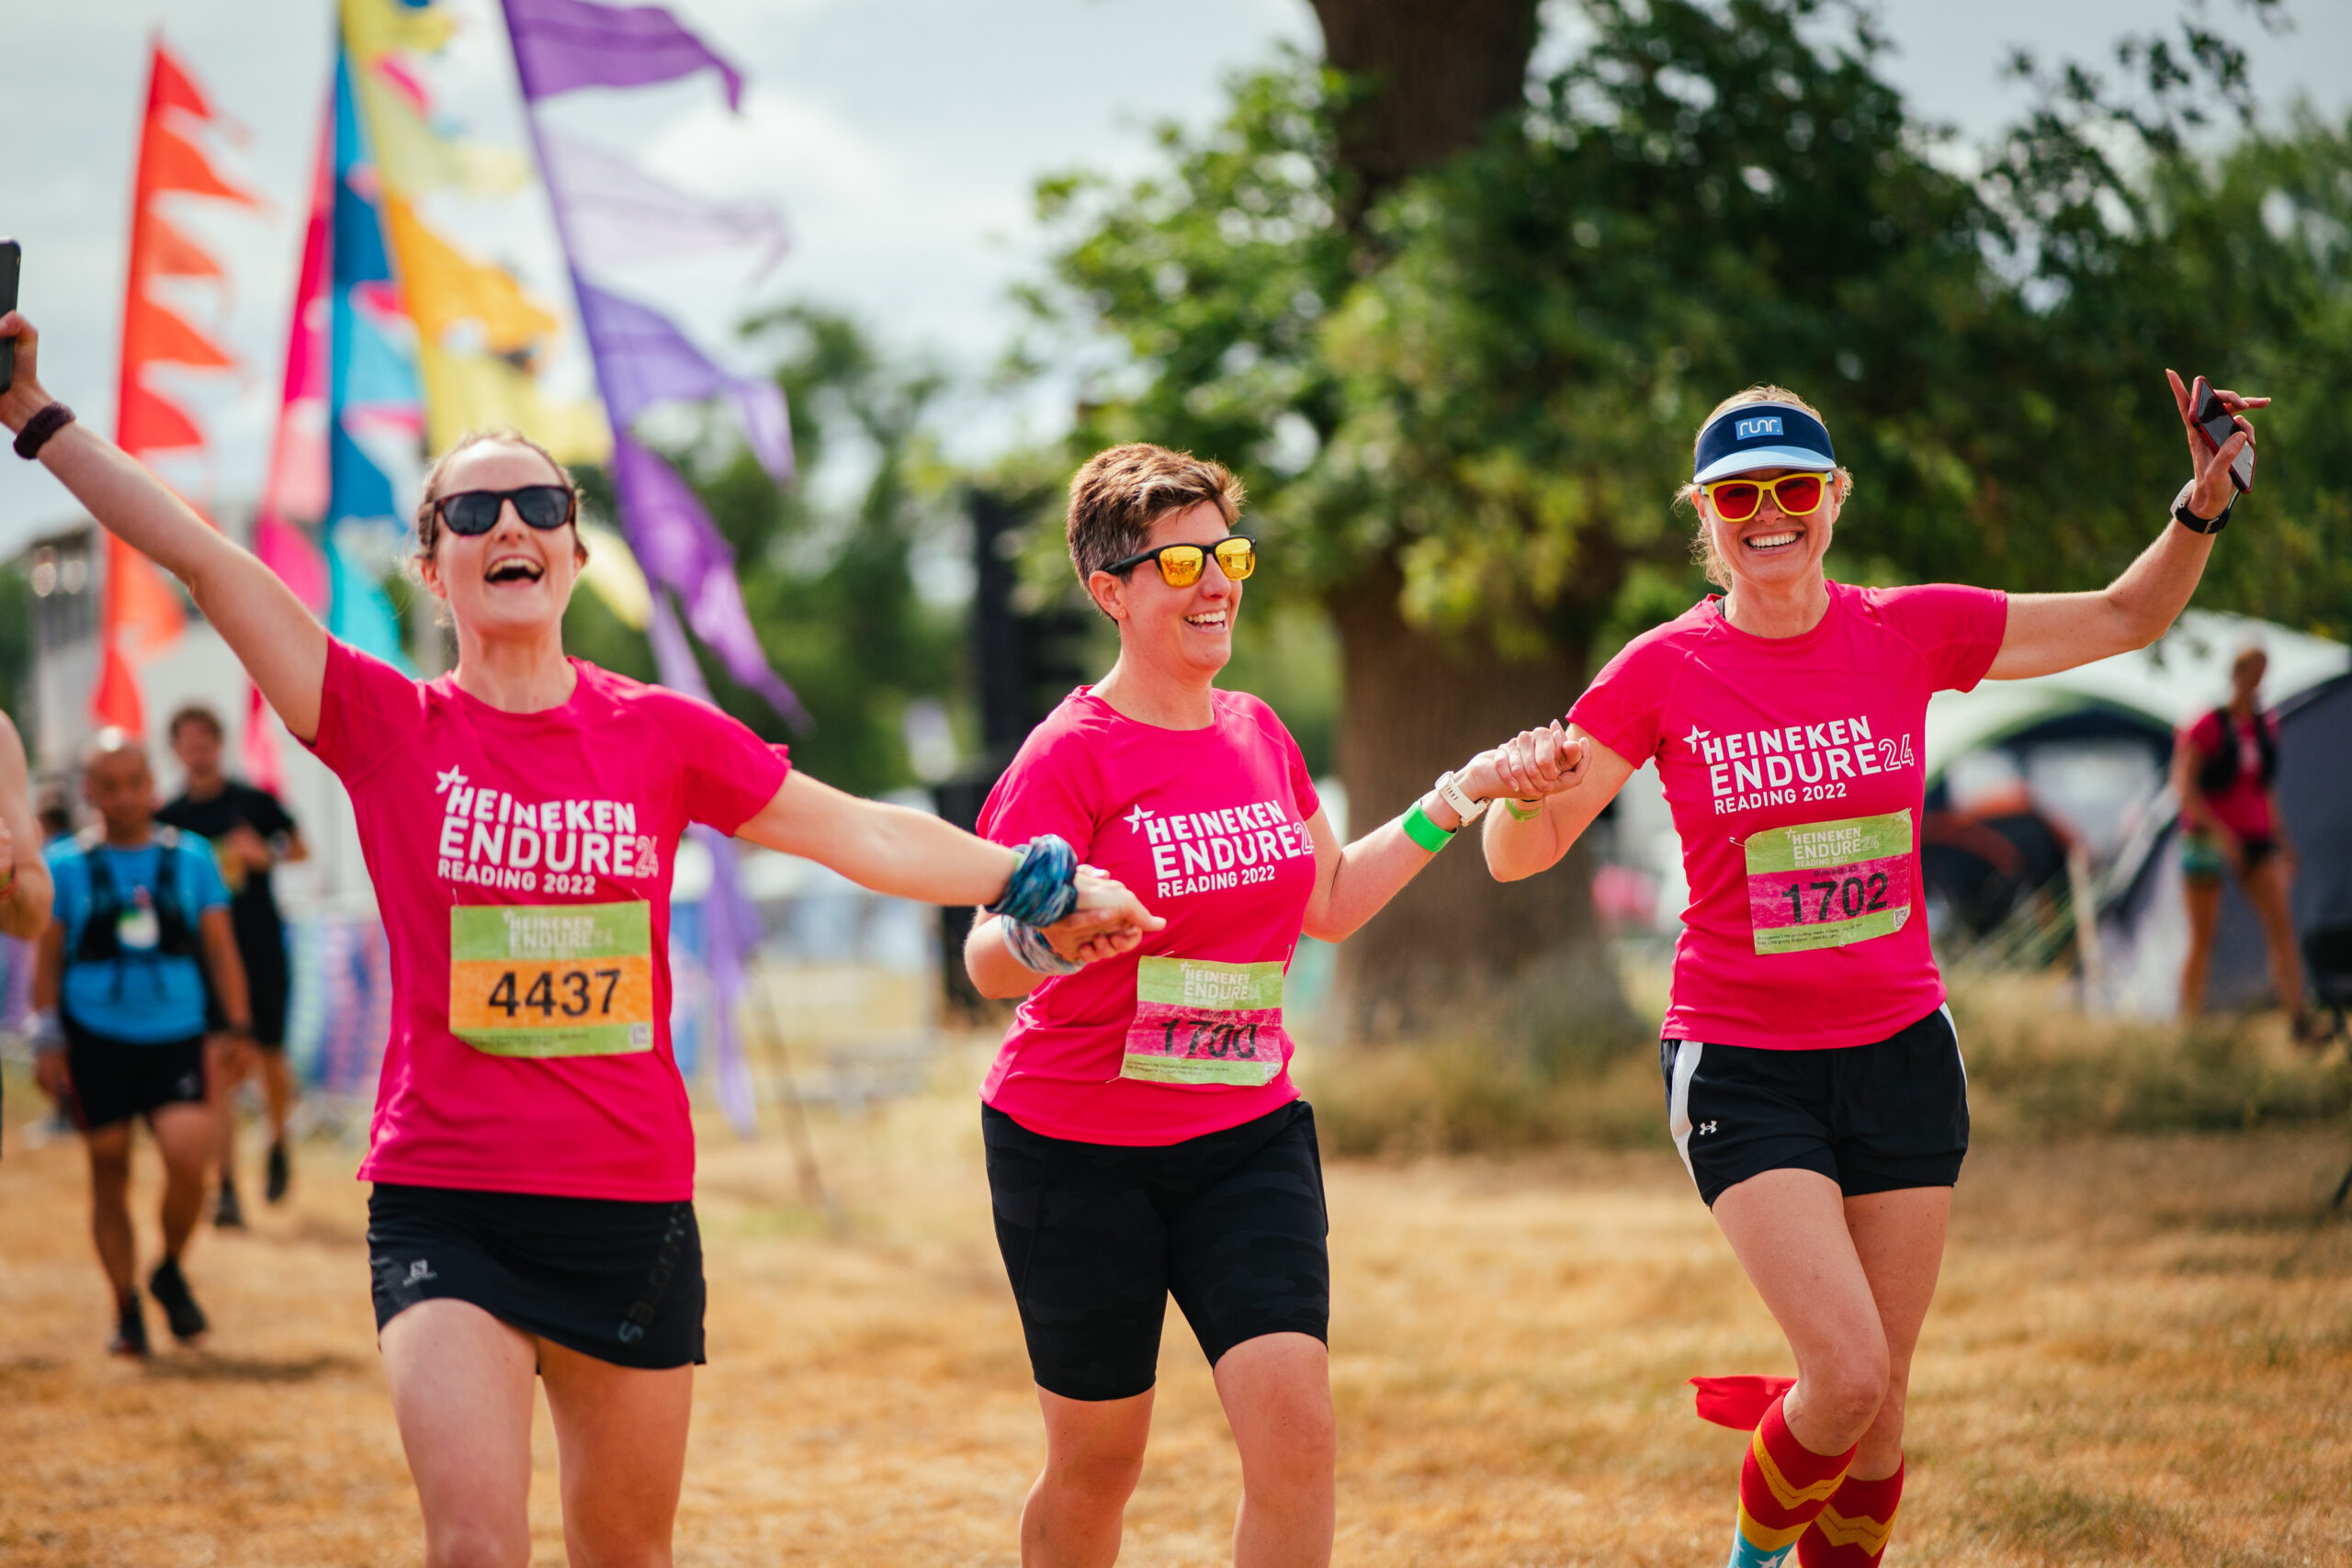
[
  {"x": 227, "y": 1214},
  {"x": 130, "y": 1328},
  {"x": 278, "y": 1172},
  {"x": 169, "y": 1287}
]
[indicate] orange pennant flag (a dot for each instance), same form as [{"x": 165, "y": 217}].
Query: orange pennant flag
[
  {"x": 149, "y": 422},
  {"x": 154, "y": 334},
  {"x": 170, "y": 254},
  {"x": 169, "y": 161},
  {"x": 171, "y": 87}
]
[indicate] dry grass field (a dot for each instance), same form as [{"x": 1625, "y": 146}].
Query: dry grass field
[{"x": 2141, "y": 1354}]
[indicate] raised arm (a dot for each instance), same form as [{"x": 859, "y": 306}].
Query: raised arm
[
  {"x": 1575, "y": 774},
  {"x": 24, "y": 875},
  {"x": 896, "y": 850},
  {"x": 2049, "y": 632},
  {"x": 279, "y": 642}
]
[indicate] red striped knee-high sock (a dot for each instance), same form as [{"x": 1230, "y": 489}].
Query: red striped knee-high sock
[
  {"x": 1782, "y": 1486},
  {"x": 1852, "y": 1528}
]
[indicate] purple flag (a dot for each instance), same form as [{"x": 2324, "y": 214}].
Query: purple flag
[
  {"x": 642, "y": 359},
  {"x": 563, "y": 44},
  {"x": 680, "y": 549}
]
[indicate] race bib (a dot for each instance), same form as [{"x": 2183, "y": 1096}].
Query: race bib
[
  {"x": 1203, "y": 1022},
  {"x": 552, "y": 980},
  {"x": 1828, "y": 884}
]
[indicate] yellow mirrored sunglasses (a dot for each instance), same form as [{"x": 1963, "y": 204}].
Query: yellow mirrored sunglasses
[{"x": 1181, "y": 565}]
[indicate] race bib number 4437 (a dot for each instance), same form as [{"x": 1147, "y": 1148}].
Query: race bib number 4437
[
  {"x": 1828, "y": 884},
  {"x": 552, "y": 980},
  {"x": 1203, "y": 1022}
]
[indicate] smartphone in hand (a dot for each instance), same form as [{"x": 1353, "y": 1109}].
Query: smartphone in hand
[
  {"x": 12, "y": 255},
  {"x": 2218, "y": 425}
]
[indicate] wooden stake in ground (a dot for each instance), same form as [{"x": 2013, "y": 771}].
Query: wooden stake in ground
[{"x": 796, "y": 1124}]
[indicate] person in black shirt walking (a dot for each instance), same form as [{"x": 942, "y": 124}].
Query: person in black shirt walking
[{"x": 250, "y": 832}]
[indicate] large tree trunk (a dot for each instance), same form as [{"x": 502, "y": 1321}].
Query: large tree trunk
[
  {"x": 1457, "y": 953},
  {"x": 1435, "y": 72}
]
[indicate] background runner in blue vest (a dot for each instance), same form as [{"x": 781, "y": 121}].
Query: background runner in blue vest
[
  {"x": 249, "y": 830},
  {"x": 119, "y": 992}
]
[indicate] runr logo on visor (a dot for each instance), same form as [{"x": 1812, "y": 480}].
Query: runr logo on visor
[{"x": 1751, "y": 427}]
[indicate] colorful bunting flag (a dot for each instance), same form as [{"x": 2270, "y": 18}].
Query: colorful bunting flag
[{"x": 140, "y": 612}]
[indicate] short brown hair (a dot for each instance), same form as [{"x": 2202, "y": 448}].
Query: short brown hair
[
  {"x": 1702, "y": 543},
  {"x": 195, "y": 713},
  {"x": 1118, "y": 494},
  {"x": 428, "y": 518}
]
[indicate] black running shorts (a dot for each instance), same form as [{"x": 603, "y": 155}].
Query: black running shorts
[
  {"x": 1097, "y": 1236},
  {"x": 1871, "y": 1118},
  {"x": 618, "y": 1280},
  {"x": 115, "y": 1080}
]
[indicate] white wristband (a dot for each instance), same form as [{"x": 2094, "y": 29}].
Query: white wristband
[{"x": 1453, "y": 795}]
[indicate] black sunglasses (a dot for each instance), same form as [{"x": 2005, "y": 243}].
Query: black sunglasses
[
  {"x": 474, "y": 511},
  {"x": 1181, "y": 565}
]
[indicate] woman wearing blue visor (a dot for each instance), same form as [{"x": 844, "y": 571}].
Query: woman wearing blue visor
[{"x": 1813, "y": 1074}]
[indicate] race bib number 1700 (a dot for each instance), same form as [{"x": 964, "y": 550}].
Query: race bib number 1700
[
  {"x": 552, "y": 980},
  {"x": 1828, "y": 884},
  {"x": 1203, "y": 1022}
]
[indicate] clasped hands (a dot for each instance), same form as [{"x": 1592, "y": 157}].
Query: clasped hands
[
  {"x": 1106, "y": 921},
  {"x": 1534, "y": 764}
]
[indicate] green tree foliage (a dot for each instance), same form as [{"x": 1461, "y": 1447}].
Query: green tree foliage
[
  {"x": 1493, "y": 393},
  {"x": 829, "y": 582}
]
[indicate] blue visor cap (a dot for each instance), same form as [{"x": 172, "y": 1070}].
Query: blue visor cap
[{"x": 1763, "y": 435}]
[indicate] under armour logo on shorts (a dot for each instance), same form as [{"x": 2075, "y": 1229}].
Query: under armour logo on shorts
[
  {"x": 1705, "y": 1127},
  {"x": 420, "y": 1271}
]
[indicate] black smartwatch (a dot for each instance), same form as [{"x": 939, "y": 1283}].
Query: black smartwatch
[{"x": 2196, "y": 525}]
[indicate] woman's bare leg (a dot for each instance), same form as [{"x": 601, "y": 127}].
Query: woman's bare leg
[
  {"x": 620, "y": 1435},
  {"x": 1277, "y": 1395},
  {"x": 1848, "y": 1318},
  {"x": 2270, "y": 889},
  {"x": 2202, "y": 894},
  {"x": 1093, "y": 1458},
  {"x": 461, "y": 1393}
]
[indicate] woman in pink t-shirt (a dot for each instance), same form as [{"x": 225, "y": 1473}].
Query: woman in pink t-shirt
[
  {"x": 532, "y": 1155},
  {"x": 2224, "y": 769},
  {"x": 1813, "y": 1075},
  {"x": 1143, "y": 1135}
]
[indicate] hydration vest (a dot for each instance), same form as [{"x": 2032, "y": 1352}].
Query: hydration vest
[
  {"x": 101, "y": 940},
  {"x": 2220, "y": 770}
]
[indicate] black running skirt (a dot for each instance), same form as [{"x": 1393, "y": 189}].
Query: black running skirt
[{"x": 618, "y": 1281}]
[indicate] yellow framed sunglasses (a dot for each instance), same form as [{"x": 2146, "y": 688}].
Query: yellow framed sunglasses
[
  {"x": 1738, "y": 498},
  {"x": 1181, "y": 565}
]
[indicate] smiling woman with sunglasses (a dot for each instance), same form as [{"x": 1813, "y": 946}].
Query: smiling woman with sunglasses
[
  {"x": 532, "y": 1152},
  {"x": 1812, "y": 1071},
  {"x": 1142, "y": 1131}
]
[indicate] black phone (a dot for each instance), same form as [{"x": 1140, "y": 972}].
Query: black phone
[
  {"x": 2219, "y": 425},
  {"x": 12, "y": 257}
]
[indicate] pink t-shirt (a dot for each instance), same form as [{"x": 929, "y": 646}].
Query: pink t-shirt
[
  {"x": 1794, "y": 767},
  {"x": 1183, "y": 1036},
  {"x": 522, "y": 865},
  {"x": 2243, "y": 807}
]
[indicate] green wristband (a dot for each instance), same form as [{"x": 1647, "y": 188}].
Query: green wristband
[
  {"x": 1424, "y": 832},
  {"x": 1517, "y": 814}
]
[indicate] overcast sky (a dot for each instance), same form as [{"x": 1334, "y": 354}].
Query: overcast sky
[{"x": 900, "y": 136}]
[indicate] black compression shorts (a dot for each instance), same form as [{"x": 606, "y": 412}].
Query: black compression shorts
[
  {"x": 115, "y": 1080},
  {"x": 1871, "y": 1118},
  {"x": 1097, "y": 1236},
  {"x": 618, "y": 1280}
]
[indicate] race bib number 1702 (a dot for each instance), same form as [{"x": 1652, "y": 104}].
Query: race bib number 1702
[
  {"x": 552, "y": 980},
  {"x": 1828, "y": 884}
]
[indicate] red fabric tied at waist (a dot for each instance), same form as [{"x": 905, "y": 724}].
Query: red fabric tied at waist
[{"x": 1739, "y": 1402}]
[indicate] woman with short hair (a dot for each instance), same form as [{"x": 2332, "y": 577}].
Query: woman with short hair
[
  {"x": 1144, "y": 1138},
  {"x": 533, "y": 1157},
  {"x": 1812, "y": 1072}
]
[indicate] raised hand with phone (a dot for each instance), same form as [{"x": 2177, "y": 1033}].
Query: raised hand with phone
[{"x": 2221, "y": 453}]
